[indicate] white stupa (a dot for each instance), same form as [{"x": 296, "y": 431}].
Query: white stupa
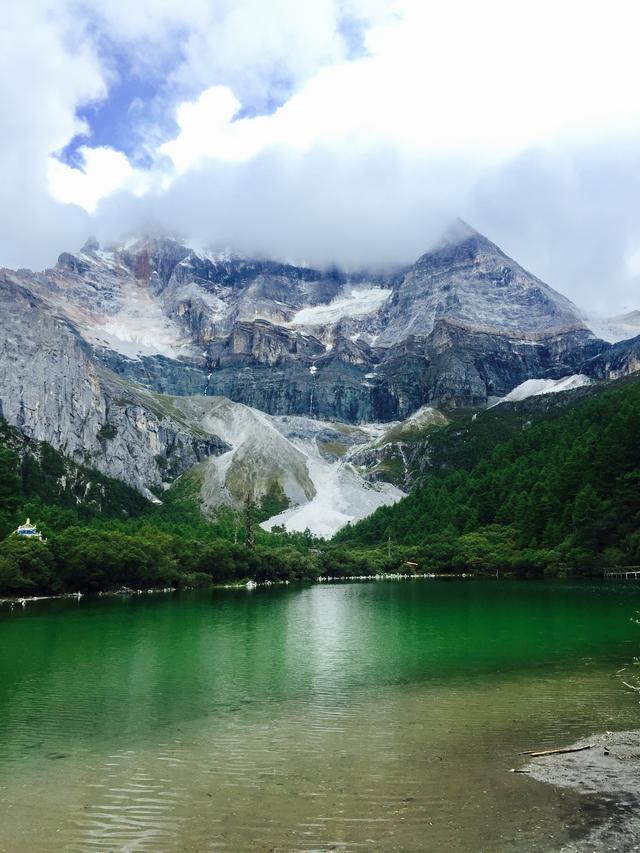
[{"x": 29, "y": 531}]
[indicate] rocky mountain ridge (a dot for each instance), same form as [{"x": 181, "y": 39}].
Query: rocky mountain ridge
[
  {"x": 54, "y": 390},
  {"x": 460, "y": 326},
  {"x": 110, "y": 356}
]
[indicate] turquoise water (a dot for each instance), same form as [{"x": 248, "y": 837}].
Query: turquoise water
[{"x": 346, "y": 716}]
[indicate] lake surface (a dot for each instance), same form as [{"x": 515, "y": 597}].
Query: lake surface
[{"x": 349, "y": 716}]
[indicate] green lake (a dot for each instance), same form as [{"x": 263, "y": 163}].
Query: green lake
[{"x": 346, "y": 716}]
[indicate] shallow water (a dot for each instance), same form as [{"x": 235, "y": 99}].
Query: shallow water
[{"x": 347, "y": 716}]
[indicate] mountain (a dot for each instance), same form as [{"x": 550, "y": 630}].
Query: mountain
[
  {"x": 469, "y": 282},
  {"x": 219, "y": 376},
  {"x": 461, "y": 325},
  {"x": 54, "y": 389}
]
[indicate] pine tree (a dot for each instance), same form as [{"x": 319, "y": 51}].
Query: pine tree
[{"x": 249, "y": 520}]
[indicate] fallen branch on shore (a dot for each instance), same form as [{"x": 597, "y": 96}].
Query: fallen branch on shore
[{"x": 556, "y": 751}]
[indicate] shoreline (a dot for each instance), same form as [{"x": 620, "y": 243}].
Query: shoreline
[
  {"x": 248, "y": 584},
  {"x": 605, "y": 770}
]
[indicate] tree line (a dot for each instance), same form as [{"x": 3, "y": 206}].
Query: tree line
[
  {"x": 536, "y": 489},
  {"x": 555, "y": 490}
]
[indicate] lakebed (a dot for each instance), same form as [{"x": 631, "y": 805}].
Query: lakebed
[
  {"x": 605, "y": 768},
  {"x": 340, "y": 716}
]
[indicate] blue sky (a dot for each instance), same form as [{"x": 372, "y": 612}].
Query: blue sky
[
  {"x": 116, "y": 121},
  {"x": 334, "y": 131}
]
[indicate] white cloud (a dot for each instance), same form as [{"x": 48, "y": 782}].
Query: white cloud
[
  {"x": 632, "y": 263},
  {"x": 488, "y": 79},
  {"x": 42, "y": 82},
  {"x": 259, "y": 49},
  {"x": 103, "y": 171},
  {"x": 522, "y": 117}
]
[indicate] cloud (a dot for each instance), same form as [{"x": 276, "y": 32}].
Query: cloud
[
  {"x": 317, "y": 207},
  {"x": 488, "y": 79},
  {"x": 58, "y": 56},
  {"x": 570, "y": 216},
  {"x": 41, "y": 85},
  {"x": 263, "y": 51},
  {"x": 345, "y": 131},
  {"x": 103, "y": 171}
]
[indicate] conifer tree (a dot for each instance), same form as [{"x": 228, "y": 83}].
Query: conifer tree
[{"x": 249, "y": 520}]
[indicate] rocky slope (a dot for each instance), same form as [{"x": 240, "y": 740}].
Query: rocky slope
[
  {"x": 461, "y": 325},
  {"x": 120, "y": 360},
  {"x": 298, "y": 468},
  {"x": 469, "y": 282},
  {"x": 53, "y": 390}
]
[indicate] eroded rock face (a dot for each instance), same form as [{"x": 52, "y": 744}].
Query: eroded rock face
[
  {"x": 463, "y": 324},
  {"x": 469, "y": 282},
  {"x": 621, "y": 359},
  {"x": 52, "y": 388}
]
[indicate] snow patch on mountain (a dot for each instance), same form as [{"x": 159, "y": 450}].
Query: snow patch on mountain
[
  {"x": 139, "y": 327},
  {"x": 536, "y": 387},
  {"x": 614, "y": 329},
  {"x": 325, "y": 493},
  {"x": 342, "y": 496},
  {"x": 356, "y": 302}
]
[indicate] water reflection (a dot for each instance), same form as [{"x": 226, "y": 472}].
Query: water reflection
[{"x": 350, "y": 715}]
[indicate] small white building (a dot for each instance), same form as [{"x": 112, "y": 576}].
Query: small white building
[{"x": 29, "y": 531}]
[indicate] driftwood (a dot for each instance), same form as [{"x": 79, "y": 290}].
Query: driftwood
[{"x": 556, "y": 751}]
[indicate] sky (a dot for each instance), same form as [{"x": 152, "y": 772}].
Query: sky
[{"x": 346, "y": 132}]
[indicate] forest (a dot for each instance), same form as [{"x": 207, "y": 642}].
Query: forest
[
  {"x": 545, "y": 488},
  {"x": 527, "y": 488}
]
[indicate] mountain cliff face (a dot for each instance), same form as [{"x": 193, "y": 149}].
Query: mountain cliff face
[
  {"x": 99, "y": 353},
  {"x": 621, "y": 359},
  {"x": 53, "y": 390},
  {"x": 469, "y": 282},
  {"x": 461, "y": 325}
]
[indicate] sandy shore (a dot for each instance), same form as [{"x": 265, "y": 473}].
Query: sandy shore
[{"x": 608, "y": 774}]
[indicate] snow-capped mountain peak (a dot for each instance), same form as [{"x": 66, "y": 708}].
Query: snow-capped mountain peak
[{"x": 462, "y": 324}]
